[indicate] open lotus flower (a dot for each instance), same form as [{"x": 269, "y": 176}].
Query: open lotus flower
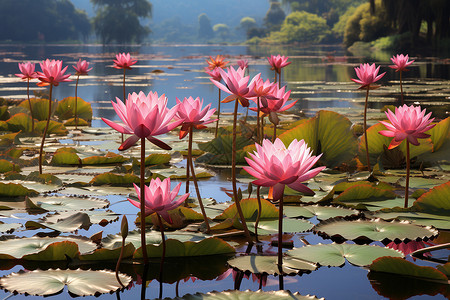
[
  {"x": 408, "y": 122},
  {"x": 401, "y": 62},
  {"x": 159, "y": 198},
  {"x": 367, "y": 74},
  {"x": 237, "y": 85},
  {"x": 276, "y": 101},
  {"x": 82, "y": 67},
  {"x": 124, "y": 61},
  {"x": 144, "y": 116},
  {"x": 27, "y": 70},
  {"x": 215, "y": 73},
  {"x": 242, "y": 63},
  {"x": 278, "y": 62},
  {"x": 275, "y": 166},
  {"x": 52, "y": 73},
  {"x": 191, "y": 113},
  {"x": 218, "y": 62}
]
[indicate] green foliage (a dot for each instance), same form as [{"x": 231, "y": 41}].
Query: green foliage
[
  {"x": 6, "y": 166},
  {"x": 4, "y": 114},
  {"x": 43, "y": 20},
  {"x": 65, "y": 156},
  {"x": 205, "y": 30},
  {"x": 39, "y": 106},
  {"x": 222, "y": 30},
  {"x": 274, "y": 16},
  {"x": 339, "y": 27},
  {"x": 53, "y": 128},
  {"x": 301, "y": 26},
  {"x": 119, "y": 21},
  {"x": 66, "y": 109},
  {"x": 19, "y": 122}
]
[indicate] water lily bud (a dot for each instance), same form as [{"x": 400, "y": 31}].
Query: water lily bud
[{"x": 124, "y": 227}]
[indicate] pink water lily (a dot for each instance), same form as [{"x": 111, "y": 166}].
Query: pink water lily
[
  {"x": 215, "y": 73},
  {"x": 159, "y": 198},
  {"x": 278, "y": 62},
  {"x": 82, "y": 67},
  {"x": 124, "y": 61},
  {"x": 367, "y": 74},
  {"x": 242, "y": 63},
  {"x": 191, "y": 113},
  {"x": 52, "y": 73},
  {"x": 276, "y": 101},
  {"x": 276, "y": 166},
  {"x": 237, "y": 85},
  {"x": 218, "y": 62},
  {"x": 144, "y": 116},
  {"x": 401, "y": 62},
  {"x": 408, "y": 122},
  {"x": 27, "y": 70}
]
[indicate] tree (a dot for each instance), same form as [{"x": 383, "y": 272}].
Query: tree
[
  {"x": 45, "y": 20},
  {"x": 205, "y": 30},
  {"x": 274, "y": 16},
  {"x": 222, "y": 30},
  {"x": 119, "y": 20}
]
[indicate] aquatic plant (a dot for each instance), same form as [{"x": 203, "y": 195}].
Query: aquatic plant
[
  {"x": 81, "y": 68},
  {"x": 28, "y": 73},
  {"x": 400, "y": 63},
  {"x": 278, "y": 62}
]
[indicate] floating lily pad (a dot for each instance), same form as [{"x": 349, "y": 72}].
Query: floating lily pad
[
  {"x": 334, "y": 255},
  {"x": 65, "y": 156},
  {"x": 66, "y": 109},
  {"x": 65, "y": 203},
  {"x": 109, "y": 254},
  {"x": 50, "y": 282},
  {"x": 248, "y": 295},
  {"x": 115, "y": 179},
  {"x": 39, "y": 107},
  {"x": 7, "y": 166},
  {"x": 109, "y": 158},
  {"x": 364, "y": 193},
  {"x": 15, "y": 190},
  {"x": 48, "y": 249},
  {"x": 249, "y": 209},
  {"x": 74, "y": 222},
  {"x": 53, "y": 127},
  {"x": 95, "y": 216},
  {"x": 157, "y": 159},
  {"x": 419, "y": 218},
  {"x": 20, "y": 122},
  {"x": 328, "y": 133},
  {"x": 366, "y": 231},
  {"x": 289, "y": 226},
  {"x": 436, "y": 201},
  {"x": 258, "y": 264},
  {"x": 220, "y": 150},
  {"x": 175, "y": 248},
  {"x": 321, "y": 212}
]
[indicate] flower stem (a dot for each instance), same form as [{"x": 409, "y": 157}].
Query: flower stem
[
  {"x": 274, "y": 132},
  {"x": 41, "y": 150},
  {"x": 401, "y": 88},
  {"x": 258, "y": 123},
  {"x": 191, "y": 163},
  {"x": 29, "y": 103},
  {"x": 407, "y": 174},
  {"x": 280, "y": 242},
  {"x": 76, "y": 103},
  {"x": 119, "y": 261},
  {"x": 258, "y": 217},
  {"x": 365, "y": 130},
  {"x": 218, "y": 116},
  {"x": 163, "y": 255},
  {"x": 233, "y": 173},
  {"x": 124, "y": 95},
  {"x": 142, "y": 198}
]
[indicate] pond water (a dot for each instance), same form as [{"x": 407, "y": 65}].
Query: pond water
[{"x": 319, "y": 77}]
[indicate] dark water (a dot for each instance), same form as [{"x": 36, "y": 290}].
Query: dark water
[{"x": 319, "y": 77}]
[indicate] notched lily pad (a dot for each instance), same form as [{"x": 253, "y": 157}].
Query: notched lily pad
[
  {"x": 15, "y": 190},
  {"x": 248, "y": 295},
  {"x": 321, "y": 212},
  {"x": 249, "y": 208},
  {"x": 258, "y": 264},
  {"x": 51, "y": 282},
  {"x": 366, "y": 231},
  {"x": 289, "y": 226},
  {"x": 74, "y": 222},
  {"x": 334, "y": 255},
  {"x": 68, "y": 203}
]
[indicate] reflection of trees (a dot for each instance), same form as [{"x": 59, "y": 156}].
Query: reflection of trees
[{"x": 43, "y": 20}]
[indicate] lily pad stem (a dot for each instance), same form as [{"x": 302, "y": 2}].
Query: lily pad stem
[
  {"x": 365, "y": 130},
  {"x": 142, "y": 198}
]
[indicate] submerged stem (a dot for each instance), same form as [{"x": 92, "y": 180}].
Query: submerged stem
[
  {"x": 365, "y": 130},
  {"x": 191, "y": 163},
  {"x": 407, "y": 173},
  {"x": 41, "y": 149},
  {"x": 142, "y": 196}
]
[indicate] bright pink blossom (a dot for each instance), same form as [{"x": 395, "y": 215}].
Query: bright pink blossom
[
  {"x": 275, "y": 166},
  {"x": 410, "y": 247},
  {"x": 242, "y": 63},
  {"x": 144, "y": 116},
  {"x": 27, "y": 70},
  {"x": 276, "y": 102},
  {"x": 237, "y": 85},
  {"x": 159, "y": 198},
  {"x": 401, "y": 62},
  {"x": 278, "y": 62},
  {"x": 215, "y": 74},
  {"x": 367, "y": 75},
  {"x": 191, "y": 113},
  {"x": 124, "y": 61},
  {"x": 52, "y": 73},
  {"x": 218, "y": 62},
  {"x": 82, "y": 67},
  {"x": 408, "y": 122}
]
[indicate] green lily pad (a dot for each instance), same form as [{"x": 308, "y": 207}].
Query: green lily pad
[
  {"x": 48, "y": 249},
  {"x": 289, "y": 226},
  {"x": 95, "y": 216},
  {"x": 248, "y": 295},
  {"x": 321, "y": 212},
  {"x": 258, "y": 264},
  {"x": 444, "y": 269},
  {"x": 9, "y": 139},
  {"x": 220, "y": 150},
  {"x": 39, "y": 106},
  {"x": 249, "y": 209},
  {"x": 334, "y": 255},
  {"x": 65, "y": 156},
  {"x": 74, "y": 222},
  {"x": 115, "y": 179},
  {"x": 328, "y": 133},
  {"x": 50, "y": 282},
  {"x": 109, "y": 158},
  {"x": 20, "y": 122},
  {"x": 66, "y": 109},
  {"x": 66, "y": 203},
  {"x": 175, "y": 248},
  {"x": 53, "y": 128},
  {"x": 402, "y": 267},
  {"x": 419, "y": 218},
  {"x": 363, "y": 193},
  {"x": 373, "y": 230},
  {"x": 436, "y": 201},
  {"x": 15, "y": 190},
  {"x": 109, "y": 254},
  {"x": 157, "y": 159},
  {"x": 7, "y": 166}
]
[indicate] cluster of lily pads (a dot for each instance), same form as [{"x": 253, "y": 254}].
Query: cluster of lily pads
[{"x": 349, "y": 206}]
